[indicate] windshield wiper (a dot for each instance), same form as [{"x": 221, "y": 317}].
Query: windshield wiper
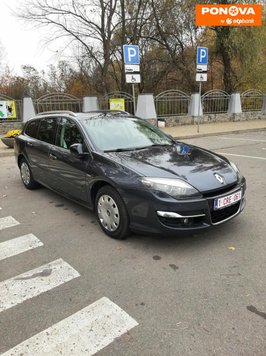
[
  {"x": 123, "y": 149},
  {"x": 138, "y": 148},
  {"x": 161, "y": 144}
]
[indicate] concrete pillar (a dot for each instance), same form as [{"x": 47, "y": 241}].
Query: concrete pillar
[
  {"x": 28, "y": 109},
  {"x": 146, "y": 107},
  {"x": 264, "y": 103},
  {"x": 235, "y": 104},
  {"x": 195, "y": 107},
  {"x": 90, "y": 103}
]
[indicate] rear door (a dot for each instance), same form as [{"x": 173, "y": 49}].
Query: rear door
[
  {"x": 37, "y": 149},
  {"x": 30, "y": 144}
]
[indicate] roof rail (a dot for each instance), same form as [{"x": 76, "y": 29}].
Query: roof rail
[
  {"x": 107, "y": 112},
  {"x": 71, "y": 113}
]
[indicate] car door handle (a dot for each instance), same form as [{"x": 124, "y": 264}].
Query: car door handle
[
  {"x": 51, "y": 156},
  {"x": 29, "y": 144}
]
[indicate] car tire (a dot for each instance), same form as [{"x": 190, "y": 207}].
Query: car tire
[
  {"x": 112, "y": 213},
  {"x": 26, "y": 175}
]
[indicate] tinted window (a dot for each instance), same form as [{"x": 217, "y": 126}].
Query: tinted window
[
  {"x": 68, "y": 133},
  {"x": 32, "y": 128},
  {"x": 47, "y": 130}
]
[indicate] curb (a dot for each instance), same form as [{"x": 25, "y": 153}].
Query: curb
[{"x": 220, "y": 133}]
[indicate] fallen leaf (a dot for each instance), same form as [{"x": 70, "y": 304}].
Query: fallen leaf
[{"x": 232, "y": 248}]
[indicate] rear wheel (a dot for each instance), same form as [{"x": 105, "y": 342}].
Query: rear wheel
[
  {"x": 26, "y": 175},
  {"x": 111, "y": 213}
]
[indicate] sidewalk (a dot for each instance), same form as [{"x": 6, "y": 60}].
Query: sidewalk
[
  {"x": 190, "y": 131},
  {"x": 215, "y": 128}
]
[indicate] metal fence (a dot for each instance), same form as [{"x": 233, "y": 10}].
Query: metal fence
[
  {"x": 172, "y": 103},
  {"x": 252, "y": 100},
  {"x": 167, "y": 103},
  {"x": 57, "y": 101},
  {"x": 215, "y": 102},
  {"x": 10, "y": 109}
]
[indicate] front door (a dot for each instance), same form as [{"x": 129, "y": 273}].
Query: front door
[{"x": 68, "y": 170}]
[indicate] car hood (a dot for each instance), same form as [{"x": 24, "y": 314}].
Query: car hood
[{"x": 192, "y": 164}]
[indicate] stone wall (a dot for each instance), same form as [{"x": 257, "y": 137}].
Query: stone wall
[
  {"x": 209, "y": 118},
  {"x": 6, "y": 126}
]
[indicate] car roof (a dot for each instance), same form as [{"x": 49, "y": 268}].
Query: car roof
[{"x": 87, "y": 115}]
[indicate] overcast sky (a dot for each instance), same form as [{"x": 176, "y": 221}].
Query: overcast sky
[{"x": 22, "y": 44}]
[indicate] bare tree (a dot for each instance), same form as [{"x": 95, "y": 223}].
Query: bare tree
[{"x": 88, "y": 26}]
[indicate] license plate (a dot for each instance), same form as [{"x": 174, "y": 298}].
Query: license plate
[{"x": 228, "y": 200}]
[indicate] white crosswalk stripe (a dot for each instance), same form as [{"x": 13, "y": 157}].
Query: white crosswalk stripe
[
  {"x": 35, "y": 282},
  {"x": 18, "y": 245},
  {"x": 7, "y": 222},
  {"x": 83, "y": 333}
]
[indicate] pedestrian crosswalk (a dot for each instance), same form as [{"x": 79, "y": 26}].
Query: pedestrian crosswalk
[
  {"x": 35, "y": 282},
  {"x": 7, "y": 222},
  {"x": 83, "y": 333},
  {"x": 18, "y": 245}
]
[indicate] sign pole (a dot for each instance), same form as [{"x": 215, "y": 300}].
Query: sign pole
[
  {"x": 134, "y": 102},
  {"x": 132, "y": 68},
  {"x": 199, "y": 107},
  {"x": 201, "y": 74}
]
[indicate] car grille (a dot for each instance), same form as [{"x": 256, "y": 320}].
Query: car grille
[
  {"x": 225, "y": 213},
  {"x": 220, "y": 215},
  {"x": 220, "y": 191}
]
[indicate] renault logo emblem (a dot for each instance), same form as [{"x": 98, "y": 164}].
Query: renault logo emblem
[{"x": 219, "y": 178}]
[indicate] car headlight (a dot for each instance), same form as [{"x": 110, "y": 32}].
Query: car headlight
[
  {"x": 176, "y": 188},
  {"x": 235, "y": 168}
]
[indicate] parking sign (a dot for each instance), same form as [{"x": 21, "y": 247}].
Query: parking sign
[
  {"x": 131, "y": 54},
  {"x": 202, "y": 55}
]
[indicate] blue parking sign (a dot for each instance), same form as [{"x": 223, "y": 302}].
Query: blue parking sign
[
  {"x": 131, "y": 54},
  {"x": 202, "y": 55}
]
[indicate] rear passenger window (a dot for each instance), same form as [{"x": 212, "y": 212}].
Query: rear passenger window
[
  {"x": 32, "y": 128},
  {"x": 47, "y": 130}
]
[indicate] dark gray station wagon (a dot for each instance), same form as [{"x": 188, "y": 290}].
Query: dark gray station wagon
[{"x": 134, "y": 176}]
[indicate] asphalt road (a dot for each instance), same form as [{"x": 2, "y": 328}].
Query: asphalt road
[{"x": 196, "y": 295}]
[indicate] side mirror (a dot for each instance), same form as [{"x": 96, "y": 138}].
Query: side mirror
[{"x": 77, "y": 150}]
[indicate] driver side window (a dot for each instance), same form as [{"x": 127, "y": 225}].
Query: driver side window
[{"x": 68, "y": 133}]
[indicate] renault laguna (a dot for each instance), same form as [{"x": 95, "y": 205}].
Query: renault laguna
[{"x": 134, "y": 176}]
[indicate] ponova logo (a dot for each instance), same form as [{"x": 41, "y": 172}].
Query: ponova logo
[
  {"x": 229, "y": 15},
  {"x": 232, "y": 11}
]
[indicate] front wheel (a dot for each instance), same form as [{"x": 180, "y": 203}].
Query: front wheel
[
  {"x": 26, "y": 175},
  {"x": 111, "y": 213}
]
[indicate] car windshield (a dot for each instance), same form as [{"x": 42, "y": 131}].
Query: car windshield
[{"x": 113, "y": 133}]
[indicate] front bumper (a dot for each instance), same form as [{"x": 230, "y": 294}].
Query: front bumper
[{"x": 150, "y": 214}]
